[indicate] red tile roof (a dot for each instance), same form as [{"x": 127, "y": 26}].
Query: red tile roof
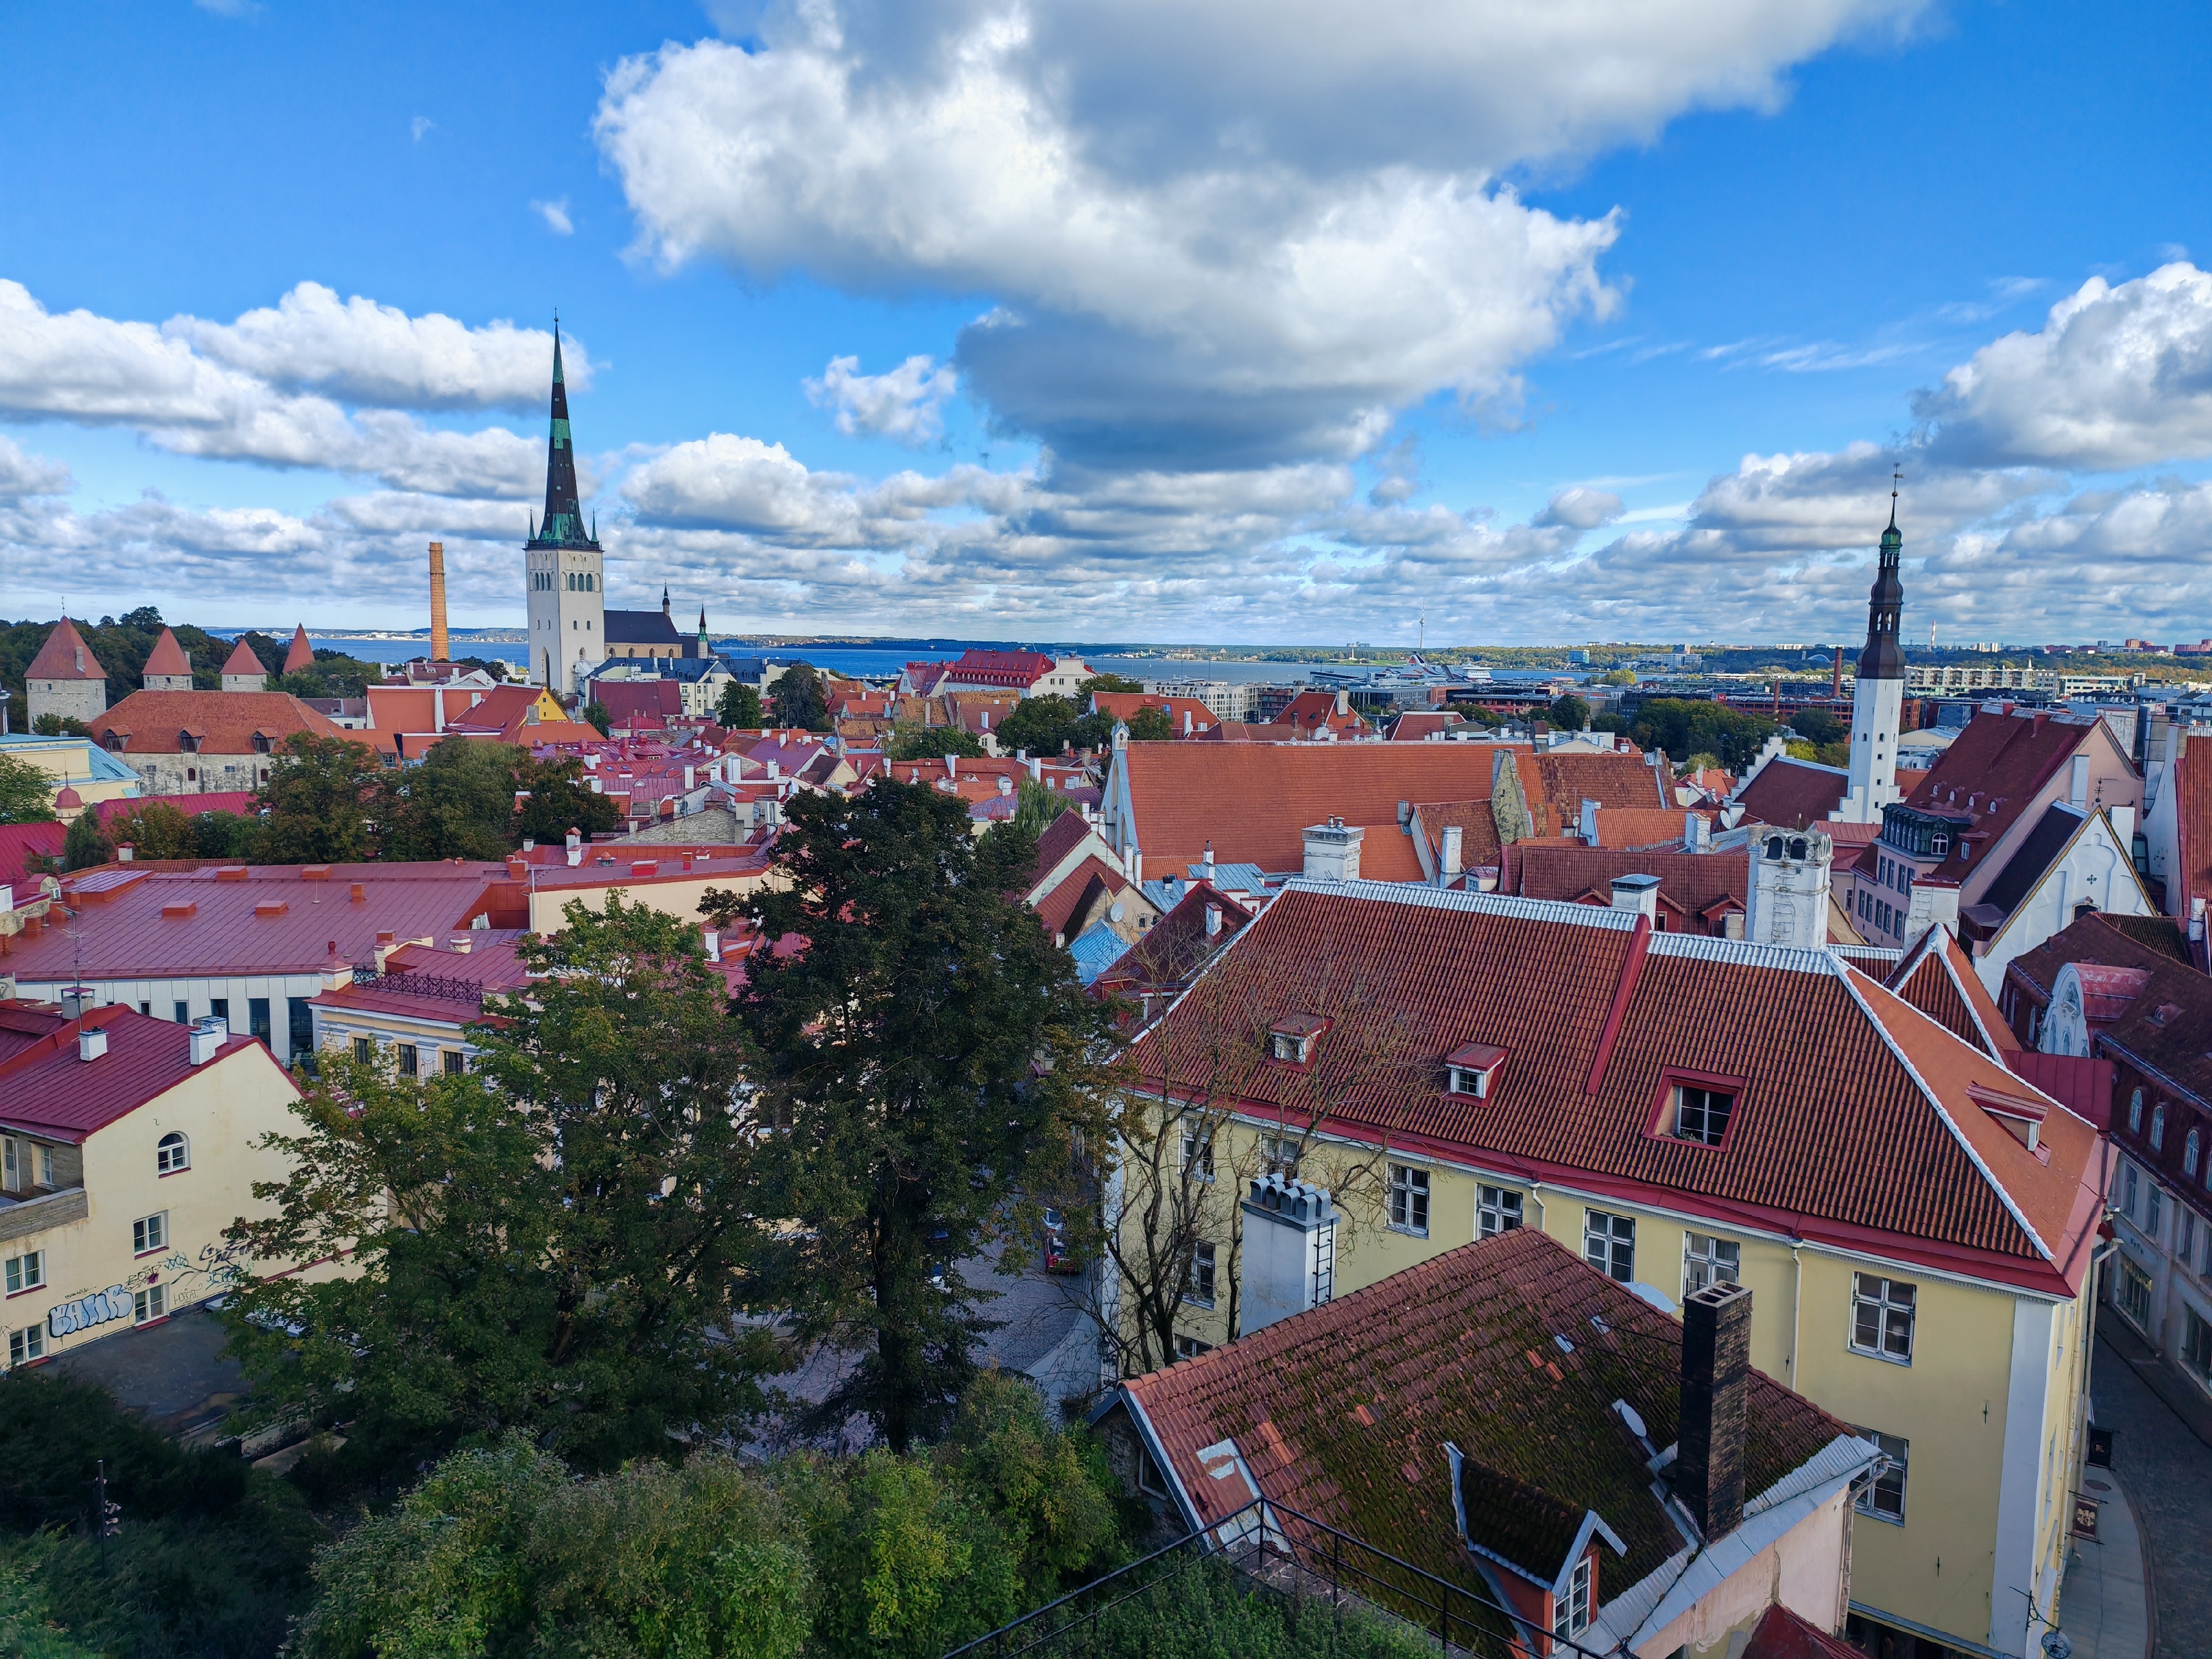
[
  {"x": 1936, "y": 977},
  {"x": 1992, "y": 770},
  {"x": 1123, "y": 705},
  {"x": 46, "y": 1088},
  {"x": 1792, "y": 794},
  {"x": 1696, "y": 890},
  {"x": 2191, "y": 874},
  {"x": 161, "y": 924},
  {"x": 1781, "y": 1634},
  {"x": 168, "y": 657},
  {"x": 1620, "y": 778},
  {"x": 1316, "y": 711},
  {"x": 242, "y": 661},
  {"x": 2145, "y": 1007},
  {"x": 302, "y": 654},
  {"x": 64, "y": 656},
  {"x": 1418, "y": 725},
  {"x": 1056, "y": 908},
  {"x": 1629, "y": 827},
  {"x": 1596, "y": 1023},
  {"x": 20, "y": 844},
  {"x": 150, "y": 722},
  {"x": 1512, "y": 1350},
  {"x": 1177, "y": 944},
  {"x": 624, "y": 700}
]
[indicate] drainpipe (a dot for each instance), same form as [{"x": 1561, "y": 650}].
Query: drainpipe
[{"x": 1797, "y": 1301}]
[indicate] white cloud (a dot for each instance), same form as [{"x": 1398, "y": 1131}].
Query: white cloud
[
  {"x": 419, "y": 125},
  {"x": 2116, "y": 378},
  {"x": 1582, "y": 507},
  {"x": 556, "y": 216},
  {"x": 222, "y": 392},
  {"x": 360, "y": 352},
  {"x": 905, "y": 404},
  {"x": 23, "y": 475}
]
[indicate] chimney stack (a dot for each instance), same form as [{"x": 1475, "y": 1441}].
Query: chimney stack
[
  {"x": 91, "y": 1042},
  {"x": 1639, "y": 894},
  {"x": 1333, "y": 851},
  {"x": 1452, "y": 853},
  {"x": 1212, "y": 921},
  {"x": 1716, "y": 1384},
  {"x": 1696, "y": 833},
  {"x": 440, "y": 647},
  {"x": 208, "y": 1036},
  {"x": 1290, "y": 1251}
]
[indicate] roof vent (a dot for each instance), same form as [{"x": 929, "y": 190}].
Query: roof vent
[
  {"x": 270, "y": 907},
  {"x": 231, "y": 872},
  {"x": 208, "y": 1035},
  {"x": 91, "y": 1042}
]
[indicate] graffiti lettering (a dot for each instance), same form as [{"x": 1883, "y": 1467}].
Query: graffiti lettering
[{"x": 114, "y": 1303}]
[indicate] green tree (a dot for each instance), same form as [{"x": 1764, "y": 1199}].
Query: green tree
[
  {"x": 458, "y": 803},
  {"x": 225, "y": 836},
  {"x": 1616, "y": 676},
  {"x": 60, "y": 726},
  {"x": 910, "y": 743},
  {"x": 596, "y": 714},
  {"x": 318, "y": 805},
  {"x": 1107, "y": 683},
  {"x": 1569, "y": 713},
  {"x": 740, "y": 707},
  {"x": 1152, "y": 725},
  {"x": 85, "y": 845},
  {"x": 1683, "y": 726},
  {"x": 154, "y": 830},
  {"x": 1049, "y": 1490},
  {"x": 927, "y": 1051},
  {"x": 1037, "y": 807},
  {"x": 500, "y": 1552},
  {"x": 561, "y": 799},
  {"x": 26, "y": 793},
  {"x": 559, "y": 1241},
  {"x": 800, "y": 700},
  {"x": 1819, "y": 725},
  {"x": 1042, "y": 726}
]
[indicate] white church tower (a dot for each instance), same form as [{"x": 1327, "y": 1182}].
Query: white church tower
[
  {"x": 1878, "y": 700},
  {"x": 563, "y": 565},
  {"x": 1788, "y": 889}
]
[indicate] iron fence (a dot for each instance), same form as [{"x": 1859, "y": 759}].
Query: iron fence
[{"x": 366, "y": 977}]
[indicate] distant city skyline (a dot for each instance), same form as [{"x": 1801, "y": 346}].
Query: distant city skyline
[{"x": 1201, "y": 322}]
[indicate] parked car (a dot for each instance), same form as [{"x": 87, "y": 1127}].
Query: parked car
[{"x": 1058, "y": 1258}]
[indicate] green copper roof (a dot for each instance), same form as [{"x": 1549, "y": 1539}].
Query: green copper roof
[{"x": 563, "y": 527}]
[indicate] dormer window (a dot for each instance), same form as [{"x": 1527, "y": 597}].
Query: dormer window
[
  {"x": 1291, "y": 1041},
  {"x": 261, "y": 743},
  {"x": 188, "y": 743},
  {"x": 1572, "y": 1611},
  {"x": 1473, "y": 1069},
  {"x": 1695, "y": 1108}
]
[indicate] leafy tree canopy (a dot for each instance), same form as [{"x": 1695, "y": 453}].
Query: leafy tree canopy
[
  {"x": 596, "y": 714},
  {"x": 909, "y": 742},
  {"x": 1684, "y": 727},
  {"x": 155, "y": 831},
  {"x": 1107, "y": 683},
  {"x": 1819, "y": 725},
  {"x": 26, "y": 793},
  {"x": 1152, "y": 725},
  {"x": 927, "y": 1051},
  {"x": 739, "y": 707},
  {"x": 558, "y": 1241},
  {"x": 319, "y": 804},
  {"x": 800, "y": 700},
  {"x": 1569, "y": 713},
  {"x": 85, "y": 845}
]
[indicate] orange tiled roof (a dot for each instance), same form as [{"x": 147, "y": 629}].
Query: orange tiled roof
[
  {"x": 167, "y": 656},
  {"x": 150, "y": 722},
  {"x": 65, "y": 656},
  {"x": 1936, "y": 978},
  {"x": 1696, "y": 889},
  {"x": 1792, "y": 794},
  {"x": 242, "y": 661},
  {"x": 301, "y": 655}
]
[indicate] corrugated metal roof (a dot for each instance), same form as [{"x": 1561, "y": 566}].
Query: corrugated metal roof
[{"x": 47, "y": 1089}]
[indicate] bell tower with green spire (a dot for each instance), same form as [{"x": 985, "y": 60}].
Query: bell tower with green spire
[
  {"x": 566, "y": 571},
  {"x": 1878, "y": 694}
]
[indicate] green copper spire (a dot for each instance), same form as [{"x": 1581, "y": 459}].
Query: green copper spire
[
  {"x": 563, "y": 525},
  {"x": 1883, "y": 659}
]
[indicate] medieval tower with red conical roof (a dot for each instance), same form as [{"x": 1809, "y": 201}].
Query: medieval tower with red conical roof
[
  {"x": 564, "y": 568},
  {"x": 168, "y": 668},
  {"x": 65, "y": 679}
]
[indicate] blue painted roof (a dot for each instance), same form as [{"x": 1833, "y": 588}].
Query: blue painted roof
[{"x": 1098, "y": 949}]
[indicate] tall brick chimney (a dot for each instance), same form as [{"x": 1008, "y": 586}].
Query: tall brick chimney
[
  {"x": 440, "y": 648},
  {"x": 1716, "y": 1380}
]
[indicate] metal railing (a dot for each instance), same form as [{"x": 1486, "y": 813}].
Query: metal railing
[
  {"x": 1276, "y": 1551},
  {"x": 366, "y": 977}
]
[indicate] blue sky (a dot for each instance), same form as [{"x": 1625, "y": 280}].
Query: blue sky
[{"x": 1215, "y": 326}]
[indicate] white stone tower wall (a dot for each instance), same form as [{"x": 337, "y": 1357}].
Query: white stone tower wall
[
  {"x": 1789, "y": 898},
  {"x": 1877, "y": 707},
  {"x": 570, "y": 622}
]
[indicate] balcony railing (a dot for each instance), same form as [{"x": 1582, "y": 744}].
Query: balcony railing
[{"x": 367, "y": 978}]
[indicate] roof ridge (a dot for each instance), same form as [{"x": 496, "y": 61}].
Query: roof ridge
[{"x": 1942, "y": 1112}]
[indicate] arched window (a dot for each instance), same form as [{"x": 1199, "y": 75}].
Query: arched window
[
  {"x": 2158, "y": 1126},
  {"x": 172, "y": 1153},
  {"x": 2189, "y": 1149},
  {"x": 2134, "y": 1113}
]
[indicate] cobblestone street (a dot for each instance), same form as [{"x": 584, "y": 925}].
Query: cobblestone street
[{"x": 2167, "y": 1471}]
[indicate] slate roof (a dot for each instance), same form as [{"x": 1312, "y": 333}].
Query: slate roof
[
  {"x": 1596, "y": 1012},
  {"x": 642, "y": 628},
  {"x": 2033, "y": 858},
  {"x": 46, "y": 1089},
  {"x": 1342, "y": 1413},
  {"x": 64, "y": 656},
  {"x": 1792, "y": 794},
  {"x": 150, "y": 722},
  {"x": 1936, "y": 977}
]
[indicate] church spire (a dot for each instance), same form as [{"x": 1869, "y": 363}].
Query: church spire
[
  {"x": 1883, "y": 659},
  {"x": 563, "y": 525}
]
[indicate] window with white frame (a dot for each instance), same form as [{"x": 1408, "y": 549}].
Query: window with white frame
[
  {"x": 152, "y": 1303},
  {"x": 172, "y": 1153},
  {"x": 1497, "y": 1210},
  {"x": 1571, "y": 1614},
  {"x": 1409, "y": 1199},
  {"x": 150, "y": 1233},
  {"x": 1882, "y": 1315},
  {"x": 26, "y": 1272},
  {"x": 2158, "y": 1126},
  {"x": 2135, "y": 1111},
  {"x": 1883, "y": 1497},
  {"x": 27, "y": 1345},
  {"x": 1708, "y": 1260},
  {"x": 1200, "y": 1289},
  {"x": 1189, "y": 1348},
  {"x": 1609, "y": 1243},
  {"x": 1197, "y": 1149},
  {"x": 1701, "y": 1114},
  {"x": 11, "y": 1162},
  {"x": 2135, "y": 1295},
  {"x": 45, "y": 1166}
]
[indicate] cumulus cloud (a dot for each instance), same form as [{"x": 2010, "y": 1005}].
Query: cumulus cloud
[
  {"x": 23, "y": 475},
  {"x": 1581, "y": 509},
  {"x": 360, "y": 352},
  {"x": 228, "y": 392},
  {"x": 2116, "y": 378},
  {"x": 906, "y": 403},
  {"x": 556, "y": 216}
]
